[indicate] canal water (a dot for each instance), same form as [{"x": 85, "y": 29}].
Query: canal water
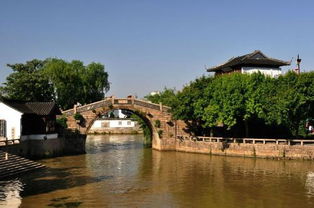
[{"x": 118, "y": 171}]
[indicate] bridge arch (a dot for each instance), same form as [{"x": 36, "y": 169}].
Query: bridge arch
[
  {"x": 139, "y": 114},
  {"x": 163, "y": 135}
]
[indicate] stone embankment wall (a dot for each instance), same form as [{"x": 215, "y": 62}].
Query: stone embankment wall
[
  {"x": 282, "y": 151},
  {"x": 36, "y": 149},
  {"x": 116, "y": 130}
]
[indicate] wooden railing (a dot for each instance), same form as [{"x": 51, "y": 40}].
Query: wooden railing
[{"x": 247, "y": 140}]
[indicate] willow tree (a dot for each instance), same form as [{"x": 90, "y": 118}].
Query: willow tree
[{"x": 73, "y": 82}]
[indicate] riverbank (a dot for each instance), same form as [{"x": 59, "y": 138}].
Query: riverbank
[{"x": 264, "y": 148}]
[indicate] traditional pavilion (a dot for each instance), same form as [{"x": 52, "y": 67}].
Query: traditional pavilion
[{"x": 251, "y": 63}]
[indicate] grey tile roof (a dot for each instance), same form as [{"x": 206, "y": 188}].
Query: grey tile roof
[
  {"x": 256, "y": 58},
  {"x": 38, "y": 108}
]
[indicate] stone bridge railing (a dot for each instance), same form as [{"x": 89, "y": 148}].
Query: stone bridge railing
[
  {"x": 247, "y": 140},
  {"x": 112, "y": 102}
]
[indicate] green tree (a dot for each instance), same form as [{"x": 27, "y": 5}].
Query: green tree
[
  {"x": 143, "y": 124},
  {"x": 55, "y": 79},
  {"x": 241, "y": 102},
  {"x": 27, "y": 83},
  {"x": 295, "y": 100},
  {"x": 62, "y": 122},
  {"x": 305, "y": 86},
  {"x": 95, "y": 81},
  {"x": 227, "y": 105},
  {"x": 189, "y": 105},
  {"x": 73, "y": 82},
  {"x": 255, "y": 104},
  {"x": 166, "y": 97}
]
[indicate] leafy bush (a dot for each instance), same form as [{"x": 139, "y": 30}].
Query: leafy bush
[
  {"x": 157, "y": 123},
  {"x": 78, "y": 117},
  {"x": 62, "y": 122},
  {"x": 160, "y": 132}
]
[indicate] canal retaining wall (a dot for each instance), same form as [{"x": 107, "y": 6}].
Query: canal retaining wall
[
  {"x": 267, "y": 150},
  {"x": 36, "y": 149}
]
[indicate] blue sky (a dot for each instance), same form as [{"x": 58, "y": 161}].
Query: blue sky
[{"x": 147, "y": 45}]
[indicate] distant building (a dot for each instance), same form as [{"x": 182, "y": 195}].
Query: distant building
[
  {"x": 113, "y": 123},
  {"x": 115, "y": 126},
  {"x": 251, "y": 63},
  {"x": 119, "y": 114},
  {"x": 154, "y": 93},
  {"x": 28, "y": 120}
]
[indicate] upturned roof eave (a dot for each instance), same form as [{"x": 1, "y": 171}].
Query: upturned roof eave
[
  {"x": 247, "y": 59},
  {"x": 229, "y": 64}
]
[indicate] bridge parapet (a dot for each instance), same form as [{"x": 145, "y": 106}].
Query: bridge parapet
[
  {"x": 88, "y": 107},
  {"x": 109, "y": 102}
]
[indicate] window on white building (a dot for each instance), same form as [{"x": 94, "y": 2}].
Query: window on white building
[
  {"x": 105, "y": 124},
  {"x": 3, "y": 127}
]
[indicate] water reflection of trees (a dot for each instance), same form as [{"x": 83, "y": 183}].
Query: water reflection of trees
[
  {"x": 214, "y": 181},
  {"x": 309, "y": 183}
]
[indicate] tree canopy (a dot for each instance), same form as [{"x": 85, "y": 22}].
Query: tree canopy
[
  {"x": 246, "y": 105},
  {"x": 165, "y": 97},
  {"x": 73, "y": 82},
  {"x": 27, "y": 82},
  {"x": 56, "y": 80}
]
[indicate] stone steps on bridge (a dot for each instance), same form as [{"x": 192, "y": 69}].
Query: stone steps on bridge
[{"x": 16, "y": 165}]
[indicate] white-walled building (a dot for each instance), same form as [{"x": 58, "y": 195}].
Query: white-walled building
[
  {"x": 28, "y": 120},
  {"x": 269, "y": 71},
  {"x": 10, "y": 122},
  {"x": 115, "y": 126},
  {"x": 113, "y": 123},
  {"x": 251, "y": 63}
]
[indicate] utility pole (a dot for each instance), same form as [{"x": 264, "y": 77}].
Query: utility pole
[{"x": 298, "y": 69}]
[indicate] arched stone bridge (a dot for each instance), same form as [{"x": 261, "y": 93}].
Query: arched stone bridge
[{"x": 163, "y": 136}]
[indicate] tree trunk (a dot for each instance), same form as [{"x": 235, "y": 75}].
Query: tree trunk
[
  {"x": 211, "y": 132},
  {"x": 297, "y": 124},
  {"x": 246, "y": 127}
]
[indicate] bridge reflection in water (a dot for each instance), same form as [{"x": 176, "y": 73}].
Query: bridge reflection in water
[{"x": 118, "y": 171}]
